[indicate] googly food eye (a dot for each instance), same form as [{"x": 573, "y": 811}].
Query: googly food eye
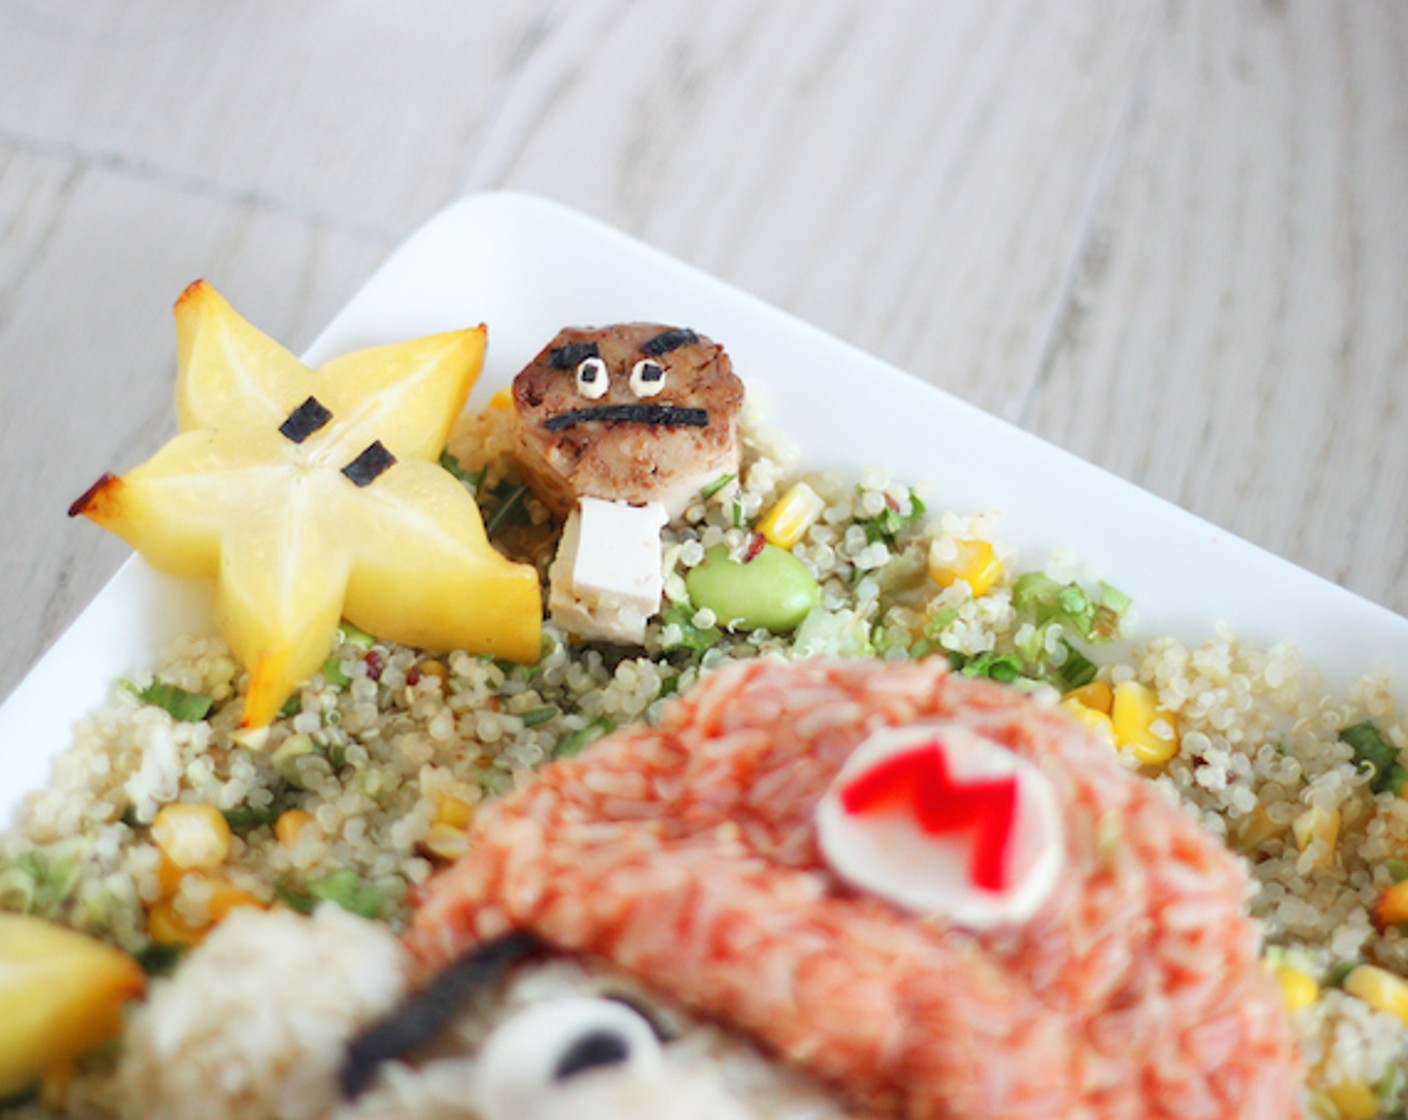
[
  {"x": 542, "y": 1053},
  {"x": 593, "y": 379},
  {"x": 647, "y": 378}
]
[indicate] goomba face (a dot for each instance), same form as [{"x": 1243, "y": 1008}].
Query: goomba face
[{"x": 637, "y": 412}]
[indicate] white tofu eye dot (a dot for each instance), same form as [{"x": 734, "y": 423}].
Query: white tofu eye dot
[
  {"x": 647, "y": 378},
  {"x": 593, "y": 379}
]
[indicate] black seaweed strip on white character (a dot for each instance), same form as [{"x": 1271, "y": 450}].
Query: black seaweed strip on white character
[{"x": 426, "y": 1012}]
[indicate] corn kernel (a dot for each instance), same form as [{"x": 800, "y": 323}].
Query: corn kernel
[
  {"x": 976, "y": 563},
  {"x": 1354, "y": 1100},
  {"x": 445, "y": 842},
  {"x": 192, "y": 835},
  {"x": 1392, "y": 906},
  {"x": 1147, "y": 731},
  {"x": 165, "y": 925},
  {"x": 226, "y": 897},
  {"x": 1380, "y": 989},
  {"x": 290, "y": 824},
  {"x": 1096, "y": 695},
  {"x": 453, "y": 811},
  {"x": 1318, "y": 824},
  {"x": 1298, "y": 987},
  {"x": 795, "y": 512},
  {"x": 432, "y": 668},
  {"x": 169, "y": 876},
  {"x": 62, "y": 992},
  {"x": 502, "y": 400},
  {"x": 1097, "y": 722},
  {"x": 1254, "y": 829}
]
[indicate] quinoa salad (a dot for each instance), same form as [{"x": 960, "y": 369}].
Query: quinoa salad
[{"x": 367, "y": 781}]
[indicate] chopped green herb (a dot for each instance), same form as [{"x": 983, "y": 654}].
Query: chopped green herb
[
  {"x": 510, "y": 509},
  {"x": 887, "y": 525},
  {"x": 241, "y": 820},
  {"x": 1374, "y": 754},
  {"x": 717, "y": 485},
  {"x": 1335, "y": 974},
  {"x": 472, "y": 479},
  {"x": 1004, "y": 667},
  {"x": 292, "y": 706},
  {"x": 333, "y": 674},
  {"x": 940, "y": 622},
  {"x": 1397, "y": 869},
  {"x": 693, "y": 638},
  {"x": 574, "y": 742},
  {"x": 188, "y": 707},
  {"x": 40, "y": 881},
  {"x": 347, "y": 632},
  {"x": 1077, "y": 669},
  {"x": 534, "y": 716},
  {"x": 158, "y": 959},
  {"x": 344, "y": 887}
]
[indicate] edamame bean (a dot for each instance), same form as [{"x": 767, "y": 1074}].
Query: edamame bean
[{"x": 772, "y": 591}]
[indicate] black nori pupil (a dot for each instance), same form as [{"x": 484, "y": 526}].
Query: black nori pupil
[
  {"x": 573, "y": 354},
  {"x": 652, "y": 372},
  {"x": 670, "y": 340},
  {"x": 304, "y": 420},
  {"x": 369, "y": 464},
  {"x": 594, "y": 1049}
]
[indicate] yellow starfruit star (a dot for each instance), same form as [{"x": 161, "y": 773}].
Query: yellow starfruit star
[{"x": 313, "y": 495}]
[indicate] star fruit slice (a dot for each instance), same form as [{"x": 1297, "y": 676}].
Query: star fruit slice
[{"x": 313, "y": 495}]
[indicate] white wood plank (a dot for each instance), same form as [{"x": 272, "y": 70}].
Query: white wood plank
[
  {"x": 913, "y": 177},
  {"x": 87, "y": 352},
  {"x": 1237, "y": 341},
  {"x": 358, "y": 114}
]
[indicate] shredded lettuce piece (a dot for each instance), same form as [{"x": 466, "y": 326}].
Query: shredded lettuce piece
[
  {"x": 1375, "y": 756},
  {"x": 41, "y": 881},
  {"x": 1095, "y": 617},
  {"x": 188, "y": 707},
  {"x": 842, "y": 633}
]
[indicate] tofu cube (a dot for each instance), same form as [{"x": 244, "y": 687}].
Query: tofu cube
[{"x": 605, "y": 581}]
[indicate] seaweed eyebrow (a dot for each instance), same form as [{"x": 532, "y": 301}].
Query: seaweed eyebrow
[
  {"x": 573, "y": 354},
  {"x": 669, "y": 340},
  {"x": 304, "y": 420},
  {"x": 366, "y": 467}
]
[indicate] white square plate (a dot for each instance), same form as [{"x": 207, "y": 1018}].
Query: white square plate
[{"x": 527, "y": 267}]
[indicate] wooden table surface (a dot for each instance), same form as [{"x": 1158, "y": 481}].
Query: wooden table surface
[{"x": 1171, "y": 237}]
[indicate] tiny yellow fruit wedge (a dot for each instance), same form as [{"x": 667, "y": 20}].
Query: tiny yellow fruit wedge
[
  {"x": 62, "y": 994},
  {"x": 311, "y": 495}
]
